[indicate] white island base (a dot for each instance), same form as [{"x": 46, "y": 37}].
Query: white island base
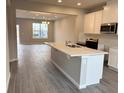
[{"x": 80, "y": 70}]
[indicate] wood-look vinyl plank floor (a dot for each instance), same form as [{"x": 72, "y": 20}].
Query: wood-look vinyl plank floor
[{"x": 34, "y": 73}]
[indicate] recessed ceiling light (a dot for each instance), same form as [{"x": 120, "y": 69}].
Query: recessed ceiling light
[
  {"x": 78, "y": 4},
  {"x": 59, "y": 1}
]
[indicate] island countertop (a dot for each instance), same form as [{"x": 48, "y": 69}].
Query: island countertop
[{"x": 82, "y": 51}]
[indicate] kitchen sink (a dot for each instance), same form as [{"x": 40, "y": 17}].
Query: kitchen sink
[{"x": 74, "y": 46}]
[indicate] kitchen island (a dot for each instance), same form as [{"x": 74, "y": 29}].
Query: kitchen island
[{"x": 82, "y": 66}]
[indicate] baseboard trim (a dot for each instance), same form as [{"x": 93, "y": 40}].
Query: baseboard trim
[
  {"x": 82, "y": 86},
  {"x": 7, "y": 84},
  {"x": 68, "y": 76},
  {"x": 13, "y": 60},
  {"x": 112, "y": 68}
]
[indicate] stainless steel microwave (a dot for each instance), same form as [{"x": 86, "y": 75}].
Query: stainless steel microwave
[{"x": 110, "y": 28}]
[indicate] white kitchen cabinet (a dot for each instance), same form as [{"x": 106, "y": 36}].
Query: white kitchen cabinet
[
  {"x": 97, "y": 22},
  {"x": 110, "y": 12},
  {"x": 113, "y": 58},
  {"x": 89, "y": 23},
  {"x": 93, "y": 22}
]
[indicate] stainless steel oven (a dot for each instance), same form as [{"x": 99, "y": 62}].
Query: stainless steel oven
[{"x": 92, "y": 43}]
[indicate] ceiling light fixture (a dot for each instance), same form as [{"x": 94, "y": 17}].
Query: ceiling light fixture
[
  {"x": 45, "y": 22},
  {"x": 59, "y": 1},
  {"x": 48, "y": 22},
  {"x": 78, "y": 4}
]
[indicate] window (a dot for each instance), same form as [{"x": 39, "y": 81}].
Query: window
[
  {"x": 40, "y": 30},
  {"x": 17, "y": 30}
]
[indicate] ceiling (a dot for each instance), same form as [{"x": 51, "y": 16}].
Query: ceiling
[
  {"x": 85, "y": 4},
  {"x": 38, "y": 15},
  {"x": 72, "y": 3}
]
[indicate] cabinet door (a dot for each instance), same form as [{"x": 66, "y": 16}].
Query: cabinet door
[
  {"x": 113, "y": 58},
  {"x": 89, "y": 23},
  {"x": 110, "y": 12},
  {"x": 97, "y": 22}
]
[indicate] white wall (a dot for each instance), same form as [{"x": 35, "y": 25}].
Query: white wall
[
  {"x": 65, "y": 29},
  {"x": 11, "y": 16},
  {"x": 68, "y": 28},
  {"x": 7, "y": 54},
  {"x": 7, "y": 61}
]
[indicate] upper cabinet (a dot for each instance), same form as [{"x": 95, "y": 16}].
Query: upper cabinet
[
  {"x": 97, "y": 22},
  {"x": 89, "y": 23},
  {"x": 110, "y": 12},
  {"x": 93, "y": 22}
]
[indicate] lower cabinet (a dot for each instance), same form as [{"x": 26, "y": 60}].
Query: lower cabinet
[
  {"x": 80, "y": 70},
  {"x": 113, "y": 59}
]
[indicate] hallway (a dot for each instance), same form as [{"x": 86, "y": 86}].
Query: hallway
[{"x": 34, "y": 73}]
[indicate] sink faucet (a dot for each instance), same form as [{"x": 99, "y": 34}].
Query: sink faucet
[{"x": 67, "y": 42}]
